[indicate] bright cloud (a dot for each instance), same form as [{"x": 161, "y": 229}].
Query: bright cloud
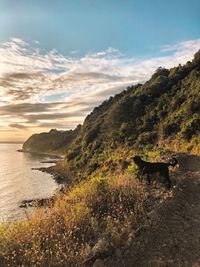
[{"x": 29, "y": 77}]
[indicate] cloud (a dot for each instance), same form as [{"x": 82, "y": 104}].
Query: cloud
[
  {"x": 18, "y": 126},
  {"x": 112, "y": 50},
  {"x": 27, "y": 108},
  {"x": 28, "y": 77},
  {"x": 190, "y": 45},
  {"x": 74, "y": 52},
  {"x": 53, "y": 116},
  {"x": 51, "y": 125}
]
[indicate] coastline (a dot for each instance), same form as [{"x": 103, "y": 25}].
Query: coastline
[
  {"x": 54, "y": 172},
  {"x": 41, "y": 202},
  {"x": 55, "y": 155},
  {"x": 57, "y": 173}
]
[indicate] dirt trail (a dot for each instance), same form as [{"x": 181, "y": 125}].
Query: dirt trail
[{"x": 173, "y": 238}]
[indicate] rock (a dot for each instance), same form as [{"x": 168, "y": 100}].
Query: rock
[
  {"x": 98, "y": 263},
  {"x": 118, "y": 253},
  {"x": 23, "y": 205},
  {"x": 37, "y": 202},
  {"x": 153, "y": 215},
  {"x": 27, "y": 203},
  {"x": 100, "y": 247},
  {"x": 88, "y": 251},
  {"x": 131, "y": 235},
  {"x": 138, "y": 243}
]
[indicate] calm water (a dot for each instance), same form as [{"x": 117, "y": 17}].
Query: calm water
[{"x": 18, "y": 182}]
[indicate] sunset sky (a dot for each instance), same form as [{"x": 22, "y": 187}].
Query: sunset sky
[{"x": 59, "y": 59}]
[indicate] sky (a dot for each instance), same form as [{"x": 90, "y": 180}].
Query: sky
[{"x": 61, "y": 58}]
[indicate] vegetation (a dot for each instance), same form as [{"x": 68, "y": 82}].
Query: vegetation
[
  {"x": 106, "y": 204},
  {"x": 52, "y": 142},
  {"x": 163, "y": 111},
  {"x": 96, "y": 211},
  {"x": 89, "y": 220}
]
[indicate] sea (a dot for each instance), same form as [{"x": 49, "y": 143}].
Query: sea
[{"x": 18, "y": 181}]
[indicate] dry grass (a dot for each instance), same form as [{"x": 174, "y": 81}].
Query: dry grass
[{"x": 99, "y": 211}]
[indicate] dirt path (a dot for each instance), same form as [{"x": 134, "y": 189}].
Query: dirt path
[{"x": 173, "y": 237}]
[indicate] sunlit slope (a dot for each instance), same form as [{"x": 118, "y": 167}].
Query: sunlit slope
[{"x": 165, "y": 107}]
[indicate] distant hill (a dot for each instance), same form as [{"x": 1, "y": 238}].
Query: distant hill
[{"x": 52, "y": 142}]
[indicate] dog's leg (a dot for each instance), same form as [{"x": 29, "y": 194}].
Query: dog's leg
[
  {"x": 167, "y": 178},
  {"x": 141, "y": 175},
  {"x": 148, "y": 179}
]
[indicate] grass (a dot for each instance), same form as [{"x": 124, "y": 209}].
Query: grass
[
  {"x": 91, "y": 219},
  {"x": 95, "y": 212}
]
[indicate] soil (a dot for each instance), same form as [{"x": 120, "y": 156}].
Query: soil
[{"x": 172, "y": 237}]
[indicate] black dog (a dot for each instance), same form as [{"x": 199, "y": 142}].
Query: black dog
[{"x": 149, "y": 168}]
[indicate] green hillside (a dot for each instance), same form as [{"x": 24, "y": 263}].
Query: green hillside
[{"x": 164, "y": 110}]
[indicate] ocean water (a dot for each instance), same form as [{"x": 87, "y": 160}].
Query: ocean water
[{"x": 19, "y": 182}]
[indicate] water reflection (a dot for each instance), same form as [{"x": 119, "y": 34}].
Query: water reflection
[{"x": 18, "y": 182}]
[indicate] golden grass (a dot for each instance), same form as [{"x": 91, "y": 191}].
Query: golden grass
[{"x": 108, "y": 209}]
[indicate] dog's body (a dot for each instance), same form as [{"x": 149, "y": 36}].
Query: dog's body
[{"x": 149, "y": 168}]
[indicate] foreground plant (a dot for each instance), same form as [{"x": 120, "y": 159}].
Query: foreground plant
[{"x": 100, "y": 210}]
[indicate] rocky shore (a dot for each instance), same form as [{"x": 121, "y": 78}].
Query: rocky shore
[
  {"x": 57, "y": 174},
  {"x": 42, "y": 202},
  {"x": 52, "y": 170}
]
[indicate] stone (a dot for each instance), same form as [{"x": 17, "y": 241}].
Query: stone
[
  {"x": 100, "y": 247},
  {"x": 153, "y": 215},
  {"x": 98, "y": 263},
  {"x": 118, "y": 253}
]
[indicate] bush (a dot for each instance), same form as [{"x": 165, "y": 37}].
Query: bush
[
  {"x": 171, "y": 128},
  {"x": 91, "y": 134},
  {"x": 147, "y": 137},
  {"x": 192, "y": 128},
  {"x": 72, "y": 155}
]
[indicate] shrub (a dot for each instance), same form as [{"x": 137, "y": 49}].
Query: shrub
[
  {"x": 147, "y": 137},
  {"x": 72, "y": 155},
  {"x": 171, "y": 128},
  {"x": 192, "y": 128},
  {"x": 91, "y": 134}
]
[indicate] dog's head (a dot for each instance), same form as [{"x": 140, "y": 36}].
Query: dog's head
[{"x": 137, "y": 159}]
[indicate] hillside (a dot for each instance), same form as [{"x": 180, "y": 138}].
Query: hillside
[
  {"x": 165, "y": 107},
  {"x": 52, "y": 142},
  {"x": 163, "y": 111}
]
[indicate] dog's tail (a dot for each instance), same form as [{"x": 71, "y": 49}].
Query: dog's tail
[{"x": 173, "y": 162}]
